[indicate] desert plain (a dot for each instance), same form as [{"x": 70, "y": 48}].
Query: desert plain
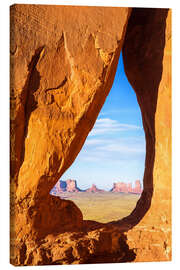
[{"x": 103, "y": 207}]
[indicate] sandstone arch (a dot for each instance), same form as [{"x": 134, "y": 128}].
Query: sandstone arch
[{"x": 71, "y": 70}]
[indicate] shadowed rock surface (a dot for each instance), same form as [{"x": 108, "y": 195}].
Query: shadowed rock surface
[
  {"x": 147, "y": 62},
  {"x": 63, "y": 62}
]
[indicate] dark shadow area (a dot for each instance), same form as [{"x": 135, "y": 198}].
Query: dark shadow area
[
  {"x": 29, "y": 104},
  {"x": 124, "y": 254},
  {"x": 31, "y": 86},
  {"x": 143, "y": 52}
]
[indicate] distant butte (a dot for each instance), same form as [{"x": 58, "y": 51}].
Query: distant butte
[
  {"x": 127, "y": 188},
  {"x": 94, "y": 189},
  {"x": 65, "y": 186},
  {"x": 71, "y": 186}
]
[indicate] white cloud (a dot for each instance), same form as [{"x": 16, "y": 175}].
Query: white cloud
[
  {"x": 94, "y": 141},
  {"x": 106, "y": 158},
  {"x": 121, "y": 148},
  {"x": 109, "y": 126},
  {"x": 103, "y": 149},
  {"x": 120, "y": 111},
  {"x": 99, "y": 147},
  {"x": 116, "y": 149}
]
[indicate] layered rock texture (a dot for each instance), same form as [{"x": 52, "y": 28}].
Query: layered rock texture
[{"x": 63, "y": 62}]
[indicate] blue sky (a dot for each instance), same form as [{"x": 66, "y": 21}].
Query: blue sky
[{"x": 115, "y": 148}]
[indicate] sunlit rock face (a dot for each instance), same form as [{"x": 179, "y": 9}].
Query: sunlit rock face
[{"x": 63, "y": 62}]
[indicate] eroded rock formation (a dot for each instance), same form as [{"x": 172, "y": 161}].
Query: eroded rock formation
[
  {"x": 94, "y": 189},
  {"x": 59, "y": 187},
  {"x": 72, "y": 186},
  {"x": 63, "y": 62},
  {"x": 65, "y": 186},
  {"x": 137, "y": 188},
  {"x": 127, "y": 188}
]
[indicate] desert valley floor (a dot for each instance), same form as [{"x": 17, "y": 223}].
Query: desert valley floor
[{"x": 103, "y": 207}]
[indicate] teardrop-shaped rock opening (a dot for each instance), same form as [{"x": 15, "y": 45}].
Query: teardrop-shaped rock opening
[{"x": 106, "y": 179}]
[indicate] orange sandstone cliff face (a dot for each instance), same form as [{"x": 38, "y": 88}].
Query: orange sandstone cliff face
[{"x": 63, "y": 62}]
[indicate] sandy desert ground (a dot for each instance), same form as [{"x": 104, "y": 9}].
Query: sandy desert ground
[{"x": 103, "y": 207}]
